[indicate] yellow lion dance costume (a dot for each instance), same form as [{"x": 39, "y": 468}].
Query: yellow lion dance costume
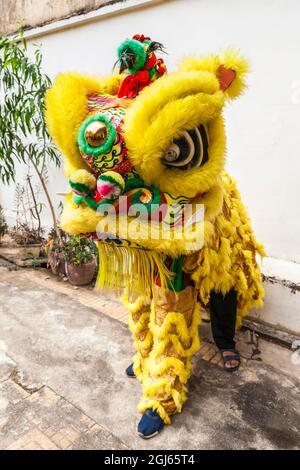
[{"x": 156, "y": 141}]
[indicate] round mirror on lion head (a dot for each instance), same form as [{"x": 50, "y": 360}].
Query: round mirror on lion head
[{"x": 96, "y": 133}]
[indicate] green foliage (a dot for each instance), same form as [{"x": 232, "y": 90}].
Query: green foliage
[
  {"x": 79, "y": 250},
  {"x": 23, "y": 133},
  {"x": 56, "y": 241},
  {"x": 3, "y": 224}
]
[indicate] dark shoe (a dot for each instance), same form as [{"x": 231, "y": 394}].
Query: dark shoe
[
  {"x": 230, "y": 357},
  {"x": 150, "y": 425},
  {"x": 129, "y": 372}
]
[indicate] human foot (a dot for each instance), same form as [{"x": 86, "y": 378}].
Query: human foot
[
  {"x": 150, "y": 424},
  {"x": 231, "y": 359}
]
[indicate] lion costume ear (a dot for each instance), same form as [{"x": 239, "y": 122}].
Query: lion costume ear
[
  {"x": 229, "y": 67},
  {"x": 66, "y": 109}
]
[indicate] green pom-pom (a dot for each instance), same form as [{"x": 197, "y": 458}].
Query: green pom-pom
[
  {"x": 77, "y": 199},
  {"x": 140, "y": 54}
]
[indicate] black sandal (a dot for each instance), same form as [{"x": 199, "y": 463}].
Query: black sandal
[{"x": 235, "y": 356}]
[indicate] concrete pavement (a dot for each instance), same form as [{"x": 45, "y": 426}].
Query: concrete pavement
[{"x": 62, "y": 384}]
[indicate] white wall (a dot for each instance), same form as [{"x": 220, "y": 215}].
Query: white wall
[{"x": 262, "y": 126}]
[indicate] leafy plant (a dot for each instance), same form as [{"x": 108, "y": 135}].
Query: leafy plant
[
  {"x": 36, "y": 208},
  {"x": 23, "y": 133},
  {"x": 25, "y": 235},
  {"x": 26, "y": 205},
  {"x": 3, "y": 224},
  {"x": 79, "y": 250},
  {"x": 56, "y": 244}
]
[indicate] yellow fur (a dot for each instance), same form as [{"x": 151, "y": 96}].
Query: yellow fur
[
  {"x": 79, "y": 219},
  {"x": 139, "y": 316},
  {"x": 159, "y": 367},
  {"x": 229, "y": 260},
  {"x": 223, "y": 258},
  {"x": 66, "y": 109},
  {"x": 230, "y": 59},
  {"x": 84, "y": 177},
  {"x": 184, "y": 100}
]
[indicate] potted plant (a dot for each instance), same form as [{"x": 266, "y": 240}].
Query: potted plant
[
  {"x": 3, "y": 224},
  {"x": 29, "y": 241},
  {"x": 26, "y": 237},
  {"x": 81, "y": 262},
  {"x": 54, "y": 248}
]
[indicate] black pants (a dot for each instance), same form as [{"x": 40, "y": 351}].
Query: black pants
[{"x": 223, "y": 318}]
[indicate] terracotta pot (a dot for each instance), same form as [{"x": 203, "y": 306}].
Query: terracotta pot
[
  {"x": 57, "y": 264},
  {"x": 81, "y": 275}
]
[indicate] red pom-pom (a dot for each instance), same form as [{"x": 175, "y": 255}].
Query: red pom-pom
[{"x": 141, "y": 37}]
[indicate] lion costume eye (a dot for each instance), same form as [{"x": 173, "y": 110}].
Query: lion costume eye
[{"x": 189, "y": 151}]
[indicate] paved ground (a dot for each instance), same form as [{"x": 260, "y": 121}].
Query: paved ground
[{"x": 62, "y": 382}]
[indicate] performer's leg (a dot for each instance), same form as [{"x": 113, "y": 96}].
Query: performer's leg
[
  {"x": 174, "y": 324},
  {"x": 223, "y": 318},
  {"x": 139, "y": 317},
  {"x": 223, "y": 322}
]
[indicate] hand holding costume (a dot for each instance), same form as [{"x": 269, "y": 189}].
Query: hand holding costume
[{"x": 157, "y": 140}]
